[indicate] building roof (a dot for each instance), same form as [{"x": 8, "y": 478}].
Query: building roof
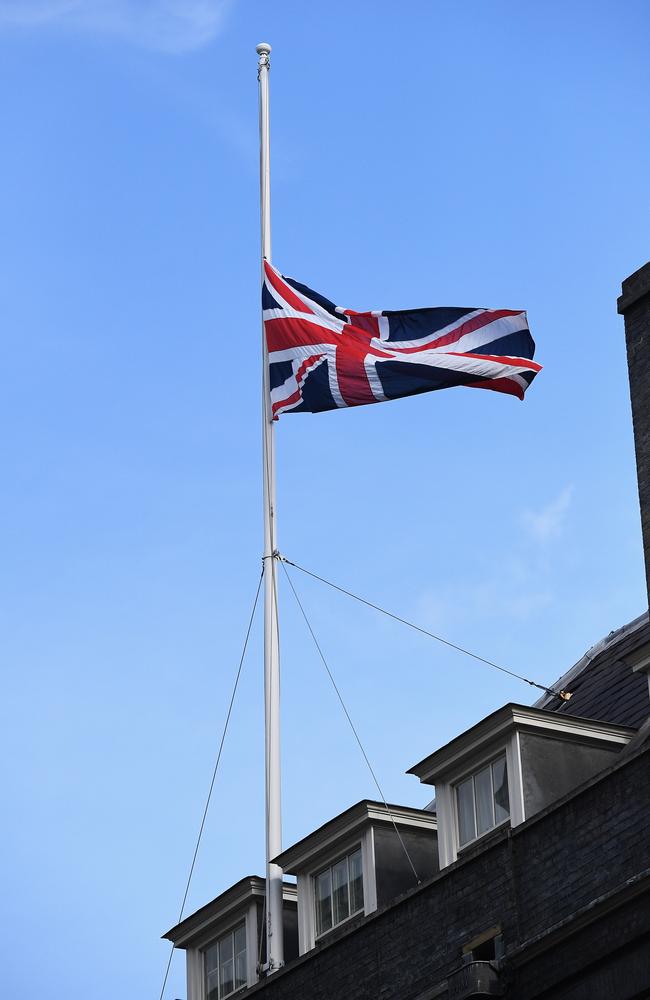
[
  {"x": 348, "y": 823},
  {"x": 222, "y": 907},
  {"x": 519, "y": 717},
  {"x": 603, "y": 683}
]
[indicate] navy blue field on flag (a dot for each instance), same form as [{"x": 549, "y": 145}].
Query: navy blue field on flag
[{"x": 323, "y": 357}]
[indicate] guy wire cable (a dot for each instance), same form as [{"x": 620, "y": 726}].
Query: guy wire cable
[
  {"x": 563, "y": 695},
  {"x": 214, "y": 775},
  {"x": 348, "y": 717}
]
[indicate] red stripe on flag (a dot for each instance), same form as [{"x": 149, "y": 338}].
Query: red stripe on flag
[
  {"x": 351, "y": 376},
  {"x": 295, "y": 396},
  {"x": 285, "y": 402},
  {"x": 513, "y": 362},
  {"x": 365, "y": 322},
  {"x": 358, "y": 340},
  {"x": 285, "y": 332},
  {"x": 499, "y": 385},
  {"x": 285, "y": 290},
  {"x": 477, "y": 323},
  {"x": 305, "y": 365}
]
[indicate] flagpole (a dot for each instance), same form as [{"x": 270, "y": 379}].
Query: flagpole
[{"x": 274, "y": 936}]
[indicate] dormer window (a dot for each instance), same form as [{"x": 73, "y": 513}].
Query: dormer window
[
  {"x": 356, "y": 863},
  {"x": 225, "y": 942},
  {"x": 225, "y": 964},
  {"x": 482, "y": 801},
  {"x": 338, "y": 892},
  {"x": 510, "y": 766}
]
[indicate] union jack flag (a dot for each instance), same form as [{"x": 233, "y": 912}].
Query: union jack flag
[{"x": 322, "y": 356}]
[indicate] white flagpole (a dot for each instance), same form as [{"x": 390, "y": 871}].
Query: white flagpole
[{"x": 274, "y": 937}]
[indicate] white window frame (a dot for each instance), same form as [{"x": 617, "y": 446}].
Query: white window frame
[
  {"x": 328, "y": 867},
  {"x": 307, "y": 937},
  {"x": 226, "y": 937},
  {"x": 448, "y": 836},
  {"x": 472, "y": 774},
  {"x": 196, "y": 978}
]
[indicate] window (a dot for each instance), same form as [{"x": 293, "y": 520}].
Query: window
[
  {"x": 338, "y": 892},
  {"x": 482, "y": 801},
  {"x": 225, "y": 964},
  {"x": 487, "y": 947}
]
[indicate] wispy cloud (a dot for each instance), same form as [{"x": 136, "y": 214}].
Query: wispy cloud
[
  {"x": 166, "y": 25},
  {"x": 503, "y": 597},
  {"x": 547, "y": 523},
  {"x": 517, "y": 587}
]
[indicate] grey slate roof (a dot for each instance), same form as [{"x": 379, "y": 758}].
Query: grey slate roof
[{"x": 603, "y": 684}]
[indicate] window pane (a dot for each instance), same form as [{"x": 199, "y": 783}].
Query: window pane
[
  {"x": 226, "y": 966},
  {"x": 213, "y": 986},
  {"x": 484, "y": 806},
  {"x": 466, "y": 824},
  {"x": 323, "y": 894},
  {"x": 501, "y": 798},
  {"x": 211, "y": 958},
  {"x": 226, "y": 977},
  {"x": 241, "y": 977},
  {"x": 225, "y": 949},
  {"x": 356, "y": 882},
  {"x": 240, "y": 939},
  {"x": 340, "y": 890}
]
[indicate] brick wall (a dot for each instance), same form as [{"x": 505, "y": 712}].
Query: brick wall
[
  {"x": 634, "y": 305},
  {"x": 529, "y": 880}
]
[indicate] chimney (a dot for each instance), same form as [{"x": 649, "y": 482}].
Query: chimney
[{"x": 634, "y": 306}]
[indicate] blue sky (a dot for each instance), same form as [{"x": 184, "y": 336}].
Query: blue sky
[{"x": 423, "y": 154}]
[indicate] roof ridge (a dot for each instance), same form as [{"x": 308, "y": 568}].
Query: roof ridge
[{"x": 585, "y": 661}]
